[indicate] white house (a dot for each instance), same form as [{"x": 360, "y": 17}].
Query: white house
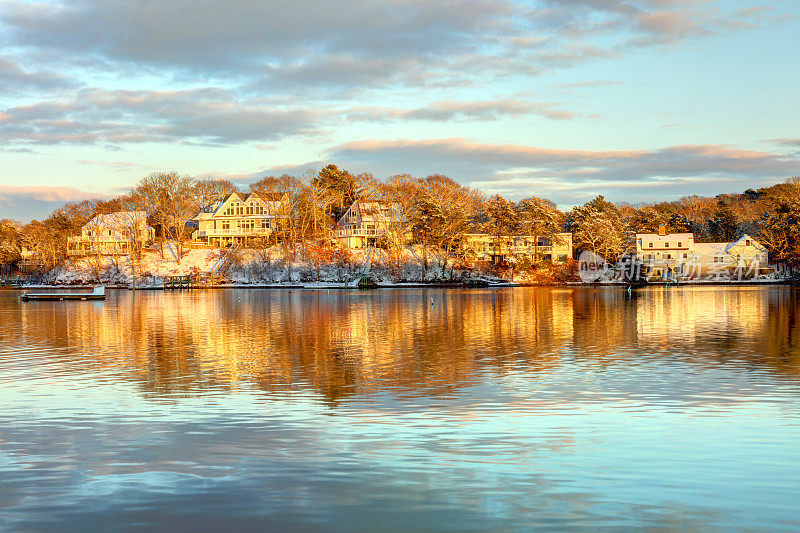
[{"x": 119, "y": 233}]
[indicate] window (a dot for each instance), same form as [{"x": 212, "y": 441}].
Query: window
[
  {"x": 685, "y": 255},
  {"x": 680, "y": 245},
  {"x": 718, "y": 259},
  {"x": 666, "y": 245},
  {"x": 226, "y": 225},
  {"x": 747, "y": 242},
  {"x": 668, "y": 256},
  {"x": 650, "y": 244}
]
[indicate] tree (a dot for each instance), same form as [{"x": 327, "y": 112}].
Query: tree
[
  {"x": 724, "y": 226},
  {"x": 598, "y": 226},
  {"x": 539, "y": 218},
  {"x": 169, "y": 201},
  {"x": 207, "y": 192},
  {"x": 779, "y": 231},
  {"x": 10, "y": 243},
  {"x": 502, "y": 220},
  {"x": 340, "y": 187}
]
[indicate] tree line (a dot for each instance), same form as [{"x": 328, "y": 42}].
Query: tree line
[{"x": 436, "y": 213}]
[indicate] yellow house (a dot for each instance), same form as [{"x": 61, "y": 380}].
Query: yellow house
[
  {"x": 369, "y": 224},
  {"x": 745, "y": 255},
  {"x": 486, "y": 247},
  {"x": 238, "y": 219},
  {"x": 119, "y": 233}
]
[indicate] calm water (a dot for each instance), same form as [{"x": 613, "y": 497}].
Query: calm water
[{"x": 245, "y": 410}]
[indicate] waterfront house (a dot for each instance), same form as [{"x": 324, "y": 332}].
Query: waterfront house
[
  {"x": 238, "y": 219},
  {"x": 666, "y": 255},
  {"x": 373, "y": 224},
  {"x": 663, "y": 253},
  {"x": 119, "y": 233},
  {"x": 488, "y": 248}
]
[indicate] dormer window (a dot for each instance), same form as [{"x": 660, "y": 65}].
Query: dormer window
[{"x": 747, "y": 242}]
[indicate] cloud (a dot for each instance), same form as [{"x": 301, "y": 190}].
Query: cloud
[
  {"x": 205, "y": 115},
  {"x": 15, "y": 79},
  {"x": 461, "y": 110},
  {"x": 518, "y": 170},
  {"x": 316, "y": 44},
  {"x": 25, "y": 203}
]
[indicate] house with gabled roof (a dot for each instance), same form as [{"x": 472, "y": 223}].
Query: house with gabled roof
[
  {"x": 238, "y": 219},
  {"x": 119, "y": 233},
  {"x": 373, "y": 224},
  {"x": 677, "y": 255},
  {"x": 485, "y": 247}
]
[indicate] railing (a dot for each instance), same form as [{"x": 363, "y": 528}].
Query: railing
[
  {"x": 359, "y": 232},
  {"x": 234, "y": 231}
]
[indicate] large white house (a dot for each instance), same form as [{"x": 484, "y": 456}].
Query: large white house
[
  {"x": 238, "y": 219},
  {"x": 677, "y": 255},
  {"x": 119, "y": 233}
]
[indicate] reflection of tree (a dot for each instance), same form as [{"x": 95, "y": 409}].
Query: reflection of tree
[{"x": 342, "y": 344}]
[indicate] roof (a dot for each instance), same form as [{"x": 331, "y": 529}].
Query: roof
[
  {"x": 243, "y": 197},
  {"x": 668, "y": 236},
  {"x": 709, "y": 248},
  {"x": 118, "y": 219},
  {"x": 712, "y": 248}
]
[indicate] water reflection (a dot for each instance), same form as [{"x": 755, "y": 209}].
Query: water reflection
[
  {"x": 401, "y": 410},
  {"x": 353, "y": 343}
]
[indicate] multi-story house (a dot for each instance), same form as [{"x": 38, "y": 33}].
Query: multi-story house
[
  {"x": 486, "y": 247},
  {"x": 676, "y": 255},
  {"x": 372, "y": 224},
  {"x": 238, "y": 219},
  {"x": 119, "y": 233}
]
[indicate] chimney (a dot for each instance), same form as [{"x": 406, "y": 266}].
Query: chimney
[{"x": 662, "y": 231}]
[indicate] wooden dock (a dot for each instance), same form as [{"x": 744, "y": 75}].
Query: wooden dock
[
  {"x": 99, "y": 293},
  {"x": 193, "y": 281}
]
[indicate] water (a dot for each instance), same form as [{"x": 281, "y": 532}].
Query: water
[{"x": 250, "y": 410}]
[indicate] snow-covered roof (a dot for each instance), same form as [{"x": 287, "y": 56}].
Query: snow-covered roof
[
  {"x": 118, "y": 219},
  {"x": 711, "y": 248}
]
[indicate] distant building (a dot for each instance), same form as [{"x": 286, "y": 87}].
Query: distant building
[
  {"x": 486, "y": 247},
  {"x": 238, "y": 219},
  {"x": 372, "y": 224},
  {"x": 117, "y": 233},
  {"x": 676, "y": 255}
]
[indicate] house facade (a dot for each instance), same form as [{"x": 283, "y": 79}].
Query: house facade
[
  {"x": 372, "y": 224},
  {"x": 119, "y": 233},
  {"x": 486, "y": 247},
  {"x": 238, "y": 219},
  {"x": 677, "y": 256}
]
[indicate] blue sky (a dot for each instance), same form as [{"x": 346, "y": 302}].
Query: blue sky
[{"x": 638, "y": 100}]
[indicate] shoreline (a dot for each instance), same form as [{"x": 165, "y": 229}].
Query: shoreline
[{"x": 410, "y": 285}]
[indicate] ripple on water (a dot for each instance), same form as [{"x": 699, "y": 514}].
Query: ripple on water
[{"x": 491, "y": 410}]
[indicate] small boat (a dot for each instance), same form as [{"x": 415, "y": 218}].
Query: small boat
[{"x": 99, "y": 293}]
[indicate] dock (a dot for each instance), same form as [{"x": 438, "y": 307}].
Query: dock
[{"x": 99, "y": 293}]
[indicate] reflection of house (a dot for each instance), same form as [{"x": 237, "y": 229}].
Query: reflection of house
[
  {"x": 237, "y": 219},
  {"x": 117, "y": 233},
  {"x": 677, "y": 255},
  {"x": 372, "y": 224},
  {"x": 485, "y": 247}
]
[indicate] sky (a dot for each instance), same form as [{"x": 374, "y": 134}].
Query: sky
[{"x": 638, "y": 100}]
